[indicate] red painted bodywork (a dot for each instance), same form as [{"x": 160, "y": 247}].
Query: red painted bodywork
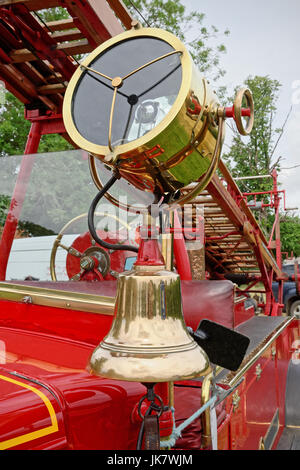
[{"x": 48, "y": 349}]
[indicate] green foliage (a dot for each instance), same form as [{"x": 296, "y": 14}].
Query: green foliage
[
  {"x": 290, "y": 234},
  {"x": 53, "y": 14},
  {"x": 30, "y": 229},
  {"x": 13, "y": 127},
  {"x": 254, "y": 155},
  {"x": 4, "y": 205},
  {"x": 53, "y": 143}
]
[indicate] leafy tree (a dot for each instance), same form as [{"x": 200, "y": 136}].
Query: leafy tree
[
  {"x": 4, "y": 205},
  {"x": 290, "y": 234},
  {"x": 13, "y": 127},
  {"x": 255, "y": 154},
  {"x": 53, "y": 14}
]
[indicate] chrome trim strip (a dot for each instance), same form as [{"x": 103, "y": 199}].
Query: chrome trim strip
[{"x": 57, "y": 298}]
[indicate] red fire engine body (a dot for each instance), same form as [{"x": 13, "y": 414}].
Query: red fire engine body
[{"x": 49, "y": 330}]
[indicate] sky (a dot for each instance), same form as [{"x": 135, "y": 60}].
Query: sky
[{"x": 264, "y": 40}]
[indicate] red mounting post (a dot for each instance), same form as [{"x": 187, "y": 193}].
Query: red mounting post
[{"x": 149, "y": 253}]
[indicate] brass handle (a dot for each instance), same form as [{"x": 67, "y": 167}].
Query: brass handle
[{"x": 237, "y": 105}]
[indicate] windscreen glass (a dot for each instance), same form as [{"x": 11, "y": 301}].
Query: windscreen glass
[{"x": 44, "y": 193}]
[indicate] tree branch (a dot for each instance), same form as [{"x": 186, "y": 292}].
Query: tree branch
[{"x": 281, "y": 133}]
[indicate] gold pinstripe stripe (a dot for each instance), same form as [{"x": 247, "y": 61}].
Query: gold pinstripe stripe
[{"x": 35, "y": 434}]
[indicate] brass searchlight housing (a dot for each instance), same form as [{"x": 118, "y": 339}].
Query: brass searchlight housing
[{"x": 139, "y": 103}]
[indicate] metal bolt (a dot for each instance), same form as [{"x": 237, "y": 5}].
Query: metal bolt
[{"x": 87, "y": 263}]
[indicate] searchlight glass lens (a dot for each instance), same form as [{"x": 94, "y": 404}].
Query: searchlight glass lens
[{"x": 143, "y": 99}]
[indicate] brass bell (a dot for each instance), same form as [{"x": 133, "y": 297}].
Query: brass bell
[{"x": 148, "y": 340}]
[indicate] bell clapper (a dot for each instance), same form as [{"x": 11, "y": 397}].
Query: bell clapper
[{"x": 151, "y": 396}]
